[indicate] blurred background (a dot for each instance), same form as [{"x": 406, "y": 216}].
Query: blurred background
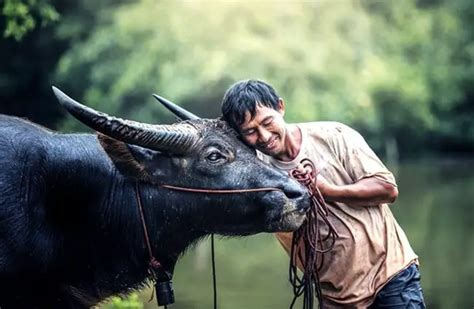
[{"x": 400, "y": 72}]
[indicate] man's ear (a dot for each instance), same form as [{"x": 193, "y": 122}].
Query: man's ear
[
  {"x": 281, "y": 106},
  {"x": 128, "y": 159}
]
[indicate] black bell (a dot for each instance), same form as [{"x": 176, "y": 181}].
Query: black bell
[{"x": 164, "y": 293}]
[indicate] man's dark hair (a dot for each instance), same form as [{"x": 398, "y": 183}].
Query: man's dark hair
[{"x": 243, "y": 97}]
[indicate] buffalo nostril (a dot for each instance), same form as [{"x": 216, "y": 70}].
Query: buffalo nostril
[
  {"x": 294, "y": 190},
  {"x": 293, "y": 194}
]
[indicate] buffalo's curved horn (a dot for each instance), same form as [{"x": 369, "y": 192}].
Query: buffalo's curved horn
[
  {"x": 175, "y": 109},
  {"x": 176, "y": 138}
]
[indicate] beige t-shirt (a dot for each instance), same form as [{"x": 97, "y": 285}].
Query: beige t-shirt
[{"x": 371, "y": 247}]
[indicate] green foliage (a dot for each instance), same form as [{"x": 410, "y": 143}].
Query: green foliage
[
  {"x": 399, "y": 71},
  {"x": 426, "y": 69},
  {"x": 392, "y": 69},
  {"x": 131, "y": 302},
  {"x": 22, "y": 16},
  {"x": 149, "y": 45}
]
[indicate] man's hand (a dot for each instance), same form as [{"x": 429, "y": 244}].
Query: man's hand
[
  {"x": 370, "y": 191},
  {"x": 324, "y": 186}
]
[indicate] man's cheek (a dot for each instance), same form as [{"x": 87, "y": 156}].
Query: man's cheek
[{"x": 250, "y": 141}]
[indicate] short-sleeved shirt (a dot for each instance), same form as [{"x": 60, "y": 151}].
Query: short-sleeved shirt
[{"x": 371, "y": 247}]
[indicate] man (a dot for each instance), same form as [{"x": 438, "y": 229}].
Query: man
[{"x": 371, "y": 263}]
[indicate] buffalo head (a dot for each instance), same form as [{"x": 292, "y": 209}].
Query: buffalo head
[{"x": 203, "y": 154}]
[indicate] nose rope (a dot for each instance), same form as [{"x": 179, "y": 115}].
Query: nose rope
[{"x": 308, "y": 246}]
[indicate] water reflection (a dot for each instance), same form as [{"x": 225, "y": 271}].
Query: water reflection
[{"x": 435, "y": 208}]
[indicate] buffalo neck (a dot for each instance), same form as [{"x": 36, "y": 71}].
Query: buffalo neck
[{"x": 93, "y": 200}]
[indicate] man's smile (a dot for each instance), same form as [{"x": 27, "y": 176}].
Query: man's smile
[{"x": 270, "y": 144}]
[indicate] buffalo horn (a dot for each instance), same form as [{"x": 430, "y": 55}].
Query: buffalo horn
[
  {"x": 180, "y": 112},
  {"x": 176, "y": 138}
]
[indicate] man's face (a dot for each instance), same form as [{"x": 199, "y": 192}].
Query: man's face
[{"x": 266, "y": 131}]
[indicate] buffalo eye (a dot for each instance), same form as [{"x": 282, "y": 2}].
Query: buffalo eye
[{"x": 215, "y": 157}]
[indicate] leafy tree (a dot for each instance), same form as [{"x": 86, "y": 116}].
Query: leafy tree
[
  {"x": 399, "y": 71},
  {"x": 149, "y": 46},
  {"x": 28, "y": 65},
  {"x": 425, "y": 49},
  {"x": 22, "y": 16}
]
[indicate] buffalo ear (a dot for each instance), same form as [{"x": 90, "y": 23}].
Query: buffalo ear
[{"x": 128, "y": 159}]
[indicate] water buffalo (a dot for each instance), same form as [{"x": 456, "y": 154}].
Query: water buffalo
[{"x": 70, "y": 227}]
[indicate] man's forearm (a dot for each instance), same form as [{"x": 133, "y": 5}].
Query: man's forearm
[{"x": 366, "y": 192}]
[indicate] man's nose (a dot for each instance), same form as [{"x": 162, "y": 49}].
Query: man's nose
[{"x": 263, "y": 135}]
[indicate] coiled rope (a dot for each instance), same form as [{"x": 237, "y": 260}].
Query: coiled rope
[{"x": 308, "y": 244}]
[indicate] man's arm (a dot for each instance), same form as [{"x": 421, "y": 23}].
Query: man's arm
[{"x": 370, "y": 191}]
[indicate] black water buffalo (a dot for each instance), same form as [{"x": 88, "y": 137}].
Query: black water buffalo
[{"x": 70, "y": 227}]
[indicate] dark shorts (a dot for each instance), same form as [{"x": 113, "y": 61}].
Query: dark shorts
[{"x": 402, "y": 291}]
